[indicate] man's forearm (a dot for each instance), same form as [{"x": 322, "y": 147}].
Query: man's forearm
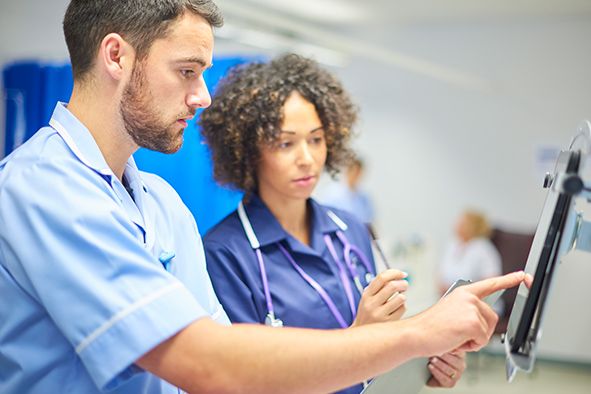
[
  {"x": 206, "y": 357},
  {"x": 250, "y": 358}
]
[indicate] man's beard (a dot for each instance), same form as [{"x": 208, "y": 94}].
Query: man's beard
[{"x": 143, "y": 122}]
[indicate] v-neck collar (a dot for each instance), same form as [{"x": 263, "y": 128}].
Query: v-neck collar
[{"x": 269, "y": 231}]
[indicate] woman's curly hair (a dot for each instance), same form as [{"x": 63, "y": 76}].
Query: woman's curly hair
[{"x": 247, "y": 112}]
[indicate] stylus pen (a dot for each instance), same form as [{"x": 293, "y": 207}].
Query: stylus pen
[{"x": 374, "y": 238}]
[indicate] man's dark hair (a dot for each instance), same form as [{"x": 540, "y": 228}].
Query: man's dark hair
[
  {"x": 247, "y": 112},
  {"x": 139, "y": 22}
]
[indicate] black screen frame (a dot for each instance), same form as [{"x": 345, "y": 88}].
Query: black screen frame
[{"x": 523, "y": 339}]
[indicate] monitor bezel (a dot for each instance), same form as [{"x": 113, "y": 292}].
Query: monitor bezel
[{"x": 524, "y": 328}]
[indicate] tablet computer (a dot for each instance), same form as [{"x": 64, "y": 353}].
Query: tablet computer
[{"x": 552, "y": 240}]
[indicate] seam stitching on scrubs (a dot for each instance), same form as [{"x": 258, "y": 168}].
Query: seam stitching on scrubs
[{"x": 124, "y": 313}]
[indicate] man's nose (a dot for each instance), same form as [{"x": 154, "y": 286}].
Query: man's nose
[{"x": 199, "y": 97}]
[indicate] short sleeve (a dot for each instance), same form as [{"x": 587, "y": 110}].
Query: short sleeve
[
  {"x": 70, "y": 245},
  {"x": 231, "y": 283}
]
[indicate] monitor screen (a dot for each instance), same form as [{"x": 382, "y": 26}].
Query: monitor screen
[{"x": 553, "y": 239}]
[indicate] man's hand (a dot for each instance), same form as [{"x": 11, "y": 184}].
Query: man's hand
[
  {"x": 529, "y": 280},
  {"x": 447, "y": 370},
  {"x": 461, "y": 321},
  {"x": 383, "y": 300}
]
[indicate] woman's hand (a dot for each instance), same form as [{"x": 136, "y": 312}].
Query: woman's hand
[
  {"x": 383, "y": 300},
  {"x": 446, "y": 370}
]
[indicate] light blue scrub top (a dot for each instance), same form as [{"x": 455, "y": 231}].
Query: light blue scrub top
[
  {"x": 83, "y": 293},
  {"x": 235, "y": 273}
]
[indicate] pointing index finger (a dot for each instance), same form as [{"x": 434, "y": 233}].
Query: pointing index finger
[{"x": 488, "y": 286}]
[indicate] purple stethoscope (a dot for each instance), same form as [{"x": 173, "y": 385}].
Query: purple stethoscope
[{"x": 347, "y": 267}]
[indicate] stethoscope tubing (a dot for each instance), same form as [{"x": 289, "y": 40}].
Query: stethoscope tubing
[
  {"x": 348, "y": 251},
  {"x": 319, "y": 289},
  {"x": 343, "y": 275},
  {"x": 350, "y": 248}
]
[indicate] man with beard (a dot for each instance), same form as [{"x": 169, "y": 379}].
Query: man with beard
[{"x": 102, "y": 276}]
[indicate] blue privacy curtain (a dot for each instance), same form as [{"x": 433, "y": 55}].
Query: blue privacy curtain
[{"x": 31, "y": 90}]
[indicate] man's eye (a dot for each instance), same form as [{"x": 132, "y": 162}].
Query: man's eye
[{"x": 188, "y": 73}]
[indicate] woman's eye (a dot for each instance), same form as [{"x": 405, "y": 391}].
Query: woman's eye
[
  {"x": 284, "y": 144},
  {"x": 317, "y": 140}
]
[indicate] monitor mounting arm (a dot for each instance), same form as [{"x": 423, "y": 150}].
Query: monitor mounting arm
[{"x": 573, "y": 185}]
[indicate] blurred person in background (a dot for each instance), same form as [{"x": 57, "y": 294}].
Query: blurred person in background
[
  {"x": 348, "y": 194},
  {"x": 471, "y": 255}
]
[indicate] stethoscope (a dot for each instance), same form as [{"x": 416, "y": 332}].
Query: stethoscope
[{"x": 346, "y": 266}]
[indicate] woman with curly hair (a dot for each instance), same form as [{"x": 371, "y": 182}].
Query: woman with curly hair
[{"x": 282, "y": 258}]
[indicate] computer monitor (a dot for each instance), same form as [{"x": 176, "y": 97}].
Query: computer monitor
[{"x": 555, "y": 236}]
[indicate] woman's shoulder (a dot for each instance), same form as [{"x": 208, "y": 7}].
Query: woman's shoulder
[{"x": 229, "y": 228}]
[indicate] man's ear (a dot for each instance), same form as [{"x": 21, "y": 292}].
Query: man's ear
[{"x": 116, "y": 55}]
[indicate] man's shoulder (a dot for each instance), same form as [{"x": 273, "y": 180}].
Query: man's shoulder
[
  {"x": 39, "y": 147},
  {"x": 44, "y": 156}
]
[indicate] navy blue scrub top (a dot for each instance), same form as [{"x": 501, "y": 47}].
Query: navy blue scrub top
[{"x": 235, "y": 274}]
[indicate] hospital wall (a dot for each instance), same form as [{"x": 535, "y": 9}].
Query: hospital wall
[{"x": 433, "y": 147}]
